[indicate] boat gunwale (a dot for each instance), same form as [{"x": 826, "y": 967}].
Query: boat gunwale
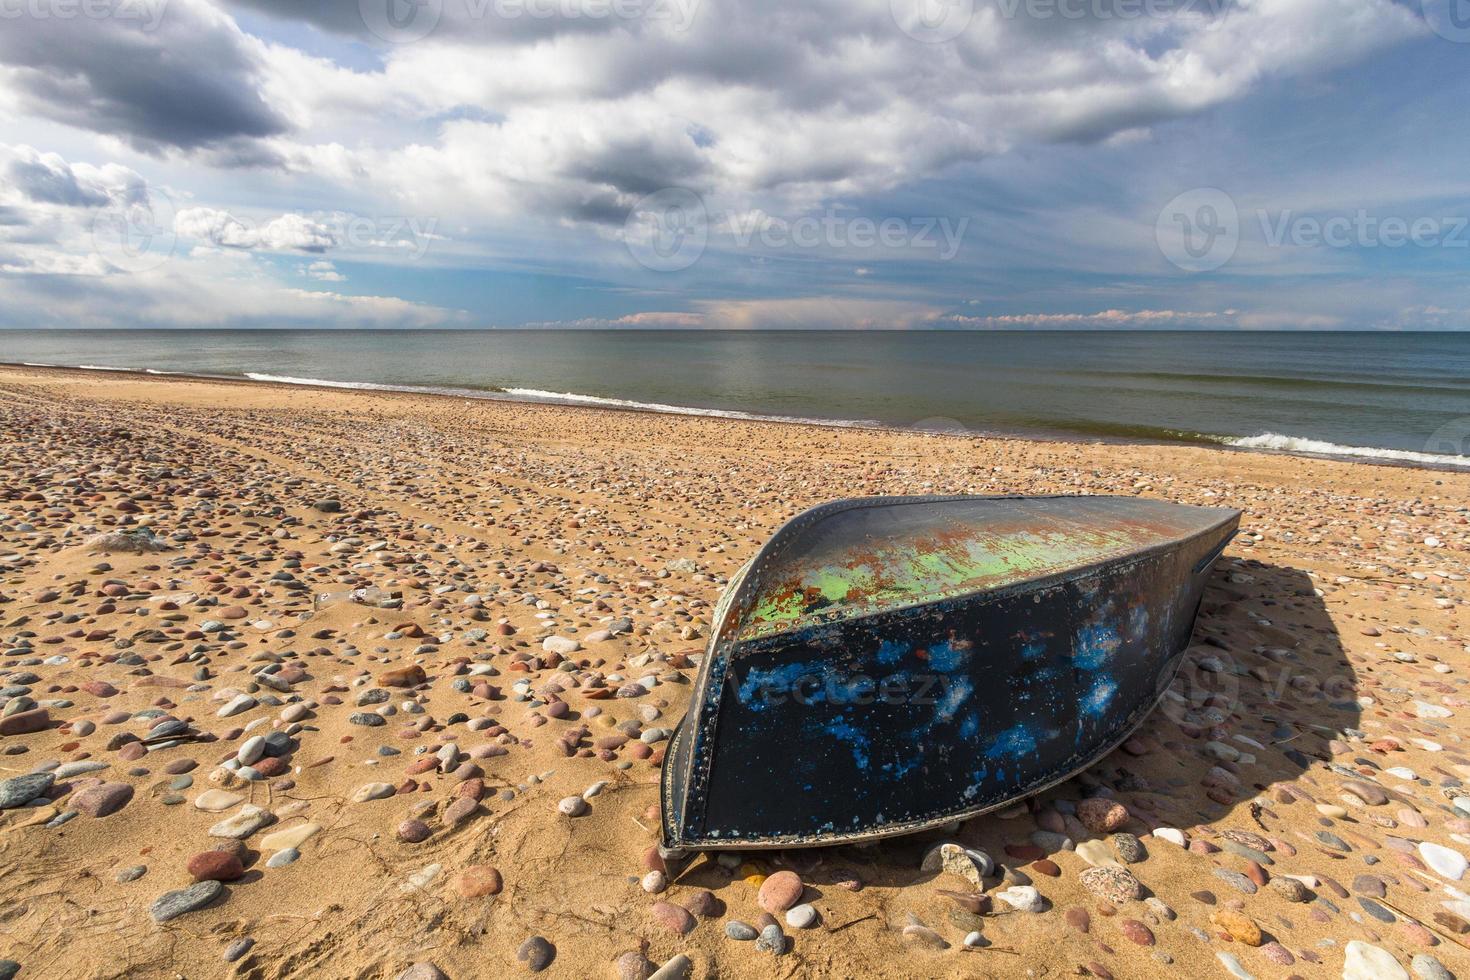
[{"x": 723, "y": 651}]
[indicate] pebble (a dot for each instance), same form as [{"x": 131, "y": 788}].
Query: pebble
[
  {"x": 1363, "y": 961},
  {"x": 771, "y": 940},
  {"x": 171, "y": 905},
  {"x": 740, "y": 931},
  {"x": 1022, "y": 898},
  {"x": 1445, "y": 862},
  {"x": 801, "y": 916},
  {"x": 780, "y": 892},
  {"x": 1112, "y": 884}
]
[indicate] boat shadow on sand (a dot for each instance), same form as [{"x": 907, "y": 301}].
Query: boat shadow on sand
[{"x": 1265, "y": 685}]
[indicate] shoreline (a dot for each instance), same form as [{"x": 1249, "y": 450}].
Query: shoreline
[{"x": 1348, "y": 454}]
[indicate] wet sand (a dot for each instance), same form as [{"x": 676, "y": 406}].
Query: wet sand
[{"x": 421, "y": 758}]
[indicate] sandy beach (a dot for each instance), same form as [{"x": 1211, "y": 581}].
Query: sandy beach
[{"x": 459, "y": 776}]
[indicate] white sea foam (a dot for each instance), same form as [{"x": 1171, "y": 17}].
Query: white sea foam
[
  {"x": 574, "y": 398},
  {"x": 1296, "y": 444},
  {"x": 324, "y": 383}
]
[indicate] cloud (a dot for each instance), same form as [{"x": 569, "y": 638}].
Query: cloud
[
  {"x": 46, "y": 178},
  {"x": 768, "y": 104},
  {"x": 190, "y": 292},
  {"x": 177, "y": 74},
  {"x": 286, "y": 232},
  {"x": 1092, "y": 321},
  {"x": 323, "y": 272}
]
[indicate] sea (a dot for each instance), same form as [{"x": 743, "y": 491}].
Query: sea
[{"x": 1401, "y": 397}]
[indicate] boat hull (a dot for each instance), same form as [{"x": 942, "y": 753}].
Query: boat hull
[{"x": 909, "y": 718}]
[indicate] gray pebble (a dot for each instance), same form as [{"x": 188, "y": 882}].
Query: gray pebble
[
  {"x": 772, "y": 940},
  {"x": 740, "y": 931},
  {"x": 171, "y": 905}
]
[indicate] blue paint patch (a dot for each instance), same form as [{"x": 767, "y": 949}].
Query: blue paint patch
[
  {"x": 1014, "y": 741},
  {"x": 891, "y": 652},
  {"x": 1096, "y": 701},
  {"x": 970, "y": 727},
  {"x": 1095, "y": 646},
  {"x": 857, "y": 740},
  {"x": 1033, "y": 651},
  {"x": 956, "y": 692},
  {"x": 950, "y": 655}
]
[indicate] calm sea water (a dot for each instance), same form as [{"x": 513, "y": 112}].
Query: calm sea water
[{"x": 1396, "y": 395}]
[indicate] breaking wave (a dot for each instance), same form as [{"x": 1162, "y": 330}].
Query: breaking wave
[{"x": 1296, "y": 444}]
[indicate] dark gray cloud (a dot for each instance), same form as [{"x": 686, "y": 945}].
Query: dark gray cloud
[
  {"x": 189, "y": 80},
  {"x": 51, "y": 184}
]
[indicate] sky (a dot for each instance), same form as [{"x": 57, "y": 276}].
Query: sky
[{"x": 854, "y": 164}]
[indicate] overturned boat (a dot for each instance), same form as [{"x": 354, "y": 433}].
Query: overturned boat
[{"x": 888, "y": 664}]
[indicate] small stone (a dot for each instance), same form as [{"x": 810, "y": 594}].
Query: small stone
[
  {"x": 423, "y": 971},
  {"x": 536, "y": 953},
  {"x": 250, "y": 819},
  {"x": 1237, "y": 925},
  {"x": 801, "y": 916},
  {"x": 1102, "y": 816},
  {"x": 1291, "y": 889},
  {"x": 215, "y": 866},
  {"x": 373, "y": 791},
  {"x": 413, "y": 831},
  {"x": 102, "y": 799},
  {"x": 740, "y": 931},
  {"x": 674, "y": 918},
  {"x": 633, "y": 965},
  {"x": 780, "y": 891},
  {"x": 773, "y": 941},
  {"x": 1363, "y": 961},
  {"x": 1077, "y": 918},
  {"x": 1136, "y": 932},
  {"x": 216, "y": 800},
  {"x": 171, "y": 905},
  {"x": 677, "y": 968},
  {"x": 20, "y": 790},
  {"x": 1095, "y": 853},
  {"x": 1278, "y": 954},
  {"x": 1112, "y": 884},
  {"x": 572, "y": 806},
  {"x": 1129, "y": 848},
  {"x": 1446, "y": 863},
  {"x": 477, "y": 881},
  {"x": 1022, "y": 898},
  {"x": 1426, "y": 967}
]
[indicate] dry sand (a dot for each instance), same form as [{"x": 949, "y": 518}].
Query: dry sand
[{"x": 1324, "y": 696}]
